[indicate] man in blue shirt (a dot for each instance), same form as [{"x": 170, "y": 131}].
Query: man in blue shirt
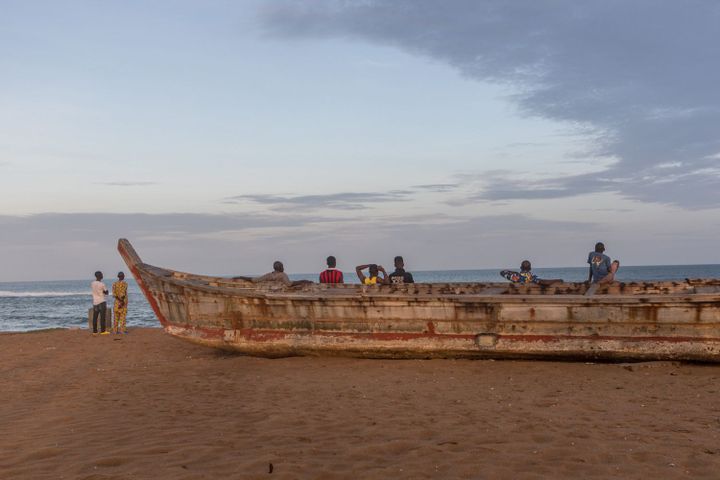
[{"x": 599, "y": 263}]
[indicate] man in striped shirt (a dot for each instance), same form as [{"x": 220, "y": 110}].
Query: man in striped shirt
[{"x": 332, "y": 274}]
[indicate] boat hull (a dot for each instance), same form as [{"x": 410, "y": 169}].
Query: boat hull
[{"x": 432, "y": 321}]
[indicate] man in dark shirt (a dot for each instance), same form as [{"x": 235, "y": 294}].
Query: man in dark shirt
[
  {"x": 332, "y": 274},
  {"x": 400, "y": 275}
]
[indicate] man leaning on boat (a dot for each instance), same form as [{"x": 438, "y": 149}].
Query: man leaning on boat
[
  {"x": 278, "y": 275},
  {"x": 526, "y": 276}
]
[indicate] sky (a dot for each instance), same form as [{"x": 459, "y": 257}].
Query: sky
[{"x": 219, "y": 136}]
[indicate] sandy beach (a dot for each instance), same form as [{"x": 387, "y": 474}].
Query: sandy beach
[{"x": 146, "y": 405}]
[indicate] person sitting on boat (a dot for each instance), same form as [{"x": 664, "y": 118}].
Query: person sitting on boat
[
  {"x": 526, "y": 276},
  {"x": 600, "y": 265},
  {"x": 331, "y": 274},
  {"x": 400, "y": 276},
  {"x": 278, "y": 275},
  {"x": 373, "y": 277}
]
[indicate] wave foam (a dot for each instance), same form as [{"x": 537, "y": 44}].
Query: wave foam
[{"x": 9, "y": 293}]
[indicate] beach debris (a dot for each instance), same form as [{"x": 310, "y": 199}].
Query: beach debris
[{"x": 270, "y": 467}]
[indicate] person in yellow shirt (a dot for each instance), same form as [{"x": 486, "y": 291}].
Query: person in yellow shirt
[
  {"x": 120, "y": 293},
  {"x": 373, "y": 277}
]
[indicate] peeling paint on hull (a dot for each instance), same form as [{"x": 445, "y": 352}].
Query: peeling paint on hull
[{"x": 639, "y": 321}]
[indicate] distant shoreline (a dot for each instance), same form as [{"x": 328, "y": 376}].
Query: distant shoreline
[{"x": 349, "y": 270}]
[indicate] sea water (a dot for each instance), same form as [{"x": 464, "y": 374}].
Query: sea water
[{"x": 28, "y": 306}]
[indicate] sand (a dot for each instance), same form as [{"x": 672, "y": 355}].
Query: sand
[{"x": 150, "y": 406}]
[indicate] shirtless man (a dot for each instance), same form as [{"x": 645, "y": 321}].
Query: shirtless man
[{"x": 278, "y": 275}]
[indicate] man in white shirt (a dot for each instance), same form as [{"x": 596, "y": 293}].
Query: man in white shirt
[{"x": 99, "y": 290}]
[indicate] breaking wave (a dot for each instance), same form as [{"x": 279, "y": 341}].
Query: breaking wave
[{"x": 9, "y": 293}]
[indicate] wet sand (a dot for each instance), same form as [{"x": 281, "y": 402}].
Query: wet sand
[{"x": 147, "y": 405}]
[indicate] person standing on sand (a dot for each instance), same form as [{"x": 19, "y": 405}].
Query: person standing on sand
[
  {"x": 120, "y": 293},
  {"x": 332, "y": 274},
  {"x": 99, "y": 290},
  {"x": 600, "y": 264}
]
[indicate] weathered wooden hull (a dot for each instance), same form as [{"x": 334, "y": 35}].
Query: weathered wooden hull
[{"x": 648, "y": 321}]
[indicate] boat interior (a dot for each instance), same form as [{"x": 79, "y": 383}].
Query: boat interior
[{"x": 674, "y": 287}]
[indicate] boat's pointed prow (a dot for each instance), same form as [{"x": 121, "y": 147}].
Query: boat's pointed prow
[{"x": 128, "y": 253}]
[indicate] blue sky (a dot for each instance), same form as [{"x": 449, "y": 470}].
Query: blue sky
[{"x": 219, "y": 136}]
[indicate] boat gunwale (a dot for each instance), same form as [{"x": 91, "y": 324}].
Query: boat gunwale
[{"x": 360, "y": 293}]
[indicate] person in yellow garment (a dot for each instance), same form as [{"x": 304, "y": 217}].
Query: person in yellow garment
[
  {"x": 120, "y": 293},
  {"x": 373, "y": 277}
]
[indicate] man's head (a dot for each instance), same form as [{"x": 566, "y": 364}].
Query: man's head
[
  {"x": 599, "y": 247},
  {"x": 278, "y": 266},
  {"x": 121, "y": 275},
  {"x": 525, "y": 266},
  {"x": 399, "y": 262},
  {"x": 331, "y": 262},
  {"x": 98, "y": 275},
  {"x": 373, "y": 269}
]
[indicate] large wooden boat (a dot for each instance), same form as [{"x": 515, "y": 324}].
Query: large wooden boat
[{"x": 621, "y": 321}]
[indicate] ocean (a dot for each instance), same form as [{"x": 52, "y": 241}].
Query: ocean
[{"x": 26, "y": 306}]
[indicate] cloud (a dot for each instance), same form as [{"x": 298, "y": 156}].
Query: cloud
[
  {"x": 128, "y": 184},
  {"x": 64, "y": 246},
  {"x": 30, "y": 245},
  {"x": 207, "y": 243},
  {"x": 54, "y": 228},
  {"x": 335, "y": 201},
  {"x": 642, "y": 76},
  {"x": 437, "y": 187},
  {"x": 665, "y": 183}
]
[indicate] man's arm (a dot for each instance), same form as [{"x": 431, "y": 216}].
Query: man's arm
[
  {"x": 385, "y": 279},
  {"x": 590, "y": 274},
  {"x": 510, "y": 275},
  {"x": 359, "y": 272},
  {"x": 271, "y": 277}
]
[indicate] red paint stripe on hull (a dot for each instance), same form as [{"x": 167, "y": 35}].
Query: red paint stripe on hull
[{"x": 273, "y": 335}]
